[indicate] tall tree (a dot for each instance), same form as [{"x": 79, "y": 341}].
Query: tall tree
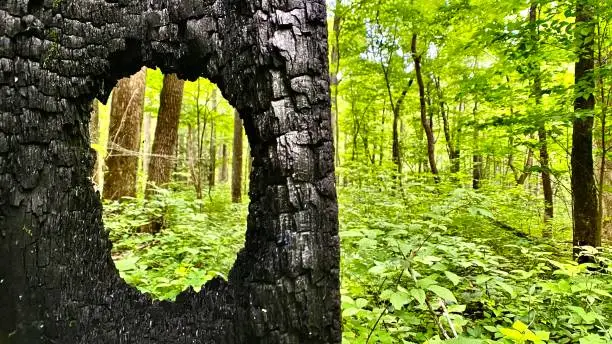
[
  {"x": 124, "y": 137},
  {"x": 425, "y": 121},
  {"x": 587, "y": 226},
  {"x": 237, "y": 160},
  {"x": 534, "y": 30},
  {"x": 166, "y": 131}
]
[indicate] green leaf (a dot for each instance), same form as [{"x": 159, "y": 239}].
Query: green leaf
[
  {"x": 442, "y": 292},
  {"x": 520, "y": 326},
  {"x": 507, "y": 288},
  {"x": 419, "y": 295},
  {"x": 399, "y": 299},
  {"x": 593, "y": 339},
  {"x": 512, "y": 334},
  {"x": 452, "y": 277}
]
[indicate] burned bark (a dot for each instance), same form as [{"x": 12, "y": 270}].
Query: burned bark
[{"x": 59, "y": 283}]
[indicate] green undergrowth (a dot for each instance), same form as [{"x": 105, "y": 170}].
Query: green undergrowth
[
  {"x": 421, "y": 263},
  {"x": 198, "y": 240}
]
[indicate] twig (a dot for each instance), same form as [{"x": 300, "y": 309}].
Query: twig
[{"x": 447, "y": 316}]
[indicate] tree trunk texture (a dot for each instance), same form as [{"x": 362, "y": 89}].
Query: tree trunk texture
[
  {"x": 165, "y": 142},
  {"x": 542, "y": 135},
  {"x": 587, "y": 227},
  {"x": 59, "y": 283},
  {"x": 396, "y": 156},
  {"x": 237, "y": 160},
  {"x": 120, "y": 179}
]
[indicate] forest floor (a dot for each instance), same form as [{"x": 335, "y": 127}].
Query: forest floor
[{"x": 425, "y": 263}]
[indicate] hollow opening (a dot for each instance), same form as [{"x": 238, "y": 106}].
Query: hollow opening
[{"x": 172, "y": 170}]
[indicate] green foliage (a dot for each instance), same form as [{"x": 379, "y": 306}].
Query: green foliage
[
  {"x": 413, "y": 260},
  {"x": 441, "y": 246},
  {"x": 199, "y": 239}
]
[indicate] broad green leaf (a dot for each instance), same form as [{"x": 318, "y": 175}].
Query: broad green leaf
[
  {"x": 399, "y": 299},
  {"x": 442, "y": 292},
  {"x": 452, "y": 277},
  {"x": 520, "y": 326},
  {"x": 419, "y": 295}
]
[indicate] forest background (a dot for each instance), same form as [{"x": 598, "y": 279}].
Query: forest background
[{"x": 472, "y": 158}]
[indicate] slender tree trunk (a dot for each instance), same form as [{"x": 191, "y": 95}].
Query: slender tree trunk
[
  {"x": 450, "y": 146},
  {"x": 335, "y": 81},
  {"x": 224, "y": 159},
  {"x": 237, "y": 160},
  {"x": 425, "y": 122},
  {"x": 194, "y": 163},
  {"x": 476, "y": 156},
  {"x": 382, "y": 136},
  {"x": 212, "y": 149},
  {"x": 396, "y": 108},
  {"x": 605, "y": 93},
  {"x": 212, "y": 166},
  {"x": 587, "y": 225},
  {"x": 124, "y": 137},
  {"x": 537, "y": 95},
  {"x": 161, "y": 163},
  {"x": 94, "y": 137}
]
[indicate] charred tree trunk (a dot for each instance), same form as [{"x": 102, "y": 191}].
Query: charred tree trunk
[
  {"x": 425, "y": 122},
  {"x": 587, "y": 226},
  {"x": 166, "y": 131},
  {"x": 124, "y": 137},
  {"x": 59, "y": 283},
  {"x": 237, "y": 161}
]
